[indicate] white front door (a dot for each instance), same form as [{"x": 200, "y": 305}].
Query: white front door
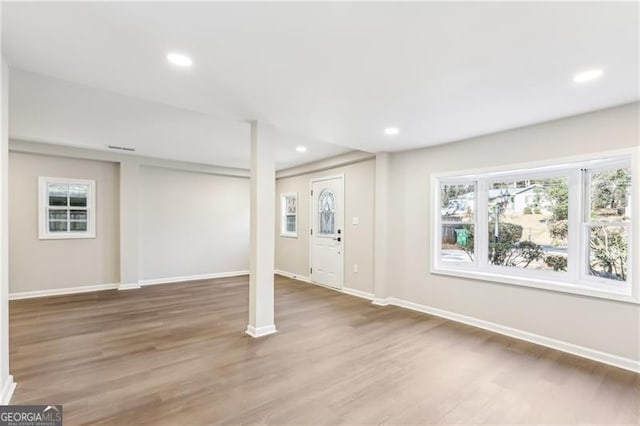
[{"x": 327, "y": 232}]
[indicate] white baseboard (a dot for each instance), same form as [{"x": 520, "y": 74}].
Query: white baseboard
[
  {"x": 358, "y": 293},
  {"x": 61, "y": 291},
  {"x": 265, "y": 330},
  {"x": 118, "y": 286},
  {"x": 6, "y": 393},
  {"x": 345, "y": 290},
  {"x": 292, "y": 275},
  {"x": 380, "y": 302},
  {"x": 129, "y": 286},
  {"x": 156, "y": 281},
  {"x": 581, "y": 351}
]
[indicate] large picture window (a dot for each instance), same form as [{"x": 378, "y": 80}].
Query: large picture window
[
  {"x": 565, "y": 227},
  {"x": 527, "y": 223},
  {"x": 67, "y": 208}
]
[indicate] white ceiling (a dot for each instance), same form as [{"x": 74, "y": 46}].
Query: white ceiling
[
  {"x": 335, "y": 72},
  {"x": 49, "y": 110}
]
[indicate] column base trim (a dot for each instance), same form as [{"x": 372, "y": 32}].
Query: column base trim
[
  {"x": 265, "y": 330},
  {"x": 7, "y": 391},
  {"x": 381, "y": 302},
  {"x": 129, "y": 286}
]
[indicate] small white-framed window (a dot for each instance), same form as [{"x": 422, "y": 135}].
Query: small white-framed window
[
  {"x": 289, "y": 214},
  {"x": 66, "y": 208},
  {"x": 564, "y": 226}
]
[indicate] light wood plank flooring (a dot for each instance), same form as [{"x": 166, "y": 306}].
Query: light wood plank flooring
[{"x": 176, "y": 354}]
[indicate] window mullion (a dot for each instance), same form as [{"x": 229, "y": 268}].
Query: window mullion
[
  {"x": 576, "y": 255},
  {"x": 68, "y": 210},
  {"x": 482, "y": 221}
]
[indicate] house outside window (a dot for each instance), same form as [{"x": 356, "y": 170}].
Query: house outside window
[
  {"x": 458, "y": 222},
  {"x": 66, "y": 208},
  {"x": 565, "y": 227}
]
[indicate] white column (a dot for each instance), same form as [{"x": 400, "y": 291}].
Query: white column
[
  {"x": 263, "y": 205},
  {"x": 381, "y": 236},
  {"x": 6, "y": 380},
  {"x": 129, "y": 217}
]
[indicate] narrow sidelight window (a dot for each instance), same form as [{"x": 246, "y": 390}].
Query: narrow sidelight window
[{"x": 289, "y": 214}]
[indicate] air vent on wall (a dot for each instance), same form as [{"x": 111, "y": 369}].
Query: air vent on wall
[{"x": 121, "y": 148}]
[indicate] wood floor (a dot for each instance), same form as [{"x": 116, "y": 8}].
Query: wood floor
[{"x": 176, "y": 354}]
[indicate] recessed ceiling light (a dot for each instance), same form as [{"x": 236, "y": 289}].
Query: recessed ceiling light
[
  {"x": 587, "y": 76},
  {"x": 301, "y": 148},
  {"x": 179, "y": 59},
  {"x": 391, "y": 131}
]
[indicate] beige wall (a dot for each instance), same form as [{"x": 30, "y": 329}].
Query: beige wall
[
  {"x": 604, "y": 325},
  {"x": 36, "y": 264},
  {"x": 292, "y": 254},
  {"x": 192, "y": 223}
]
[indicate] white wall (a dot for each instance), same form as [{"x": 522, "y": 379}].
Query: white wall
[
  {"x": 6, "y": 380},
  {"x": 292, "y": 254},
  {"x": 602, "y": 325},
  {"x": 37, "y": 265},
  {"x": 192, "y": 224}
]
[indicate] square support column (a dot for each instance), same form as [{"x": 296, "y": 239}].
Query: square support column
[
  {"x": 381, "y": 237},
  {"x": 7, "y": 384},
  {"x": 262, "y": 251},
  {"x": 129, "y": 218}
]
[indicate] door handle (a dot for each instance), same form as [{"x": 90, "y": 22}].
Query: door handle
[{"x": 338, "y": 239}]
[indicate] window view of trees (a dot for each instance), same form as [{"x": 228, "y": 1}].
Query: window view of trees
[
  {"x": 528, "y": 223},
  {"x": 457, "y": 209},
  {"x": 609, "y": 218}
]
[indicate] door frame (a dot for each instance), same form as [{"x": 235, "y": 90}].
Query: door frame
[{"x": 311, "y": 224}]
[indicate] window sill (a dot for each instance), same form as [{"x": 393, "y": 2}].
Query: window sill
[
  {"x": 557, "y": 286},
  {"x": 289, "y": 235},
  {"x": 66, "y": 236}
]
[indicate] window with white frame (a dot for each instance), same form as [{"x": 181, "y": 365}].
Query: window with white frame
[
  {"x": 458, "y": 222},
  {"x": 66, "y": 208},
  {"x": 565, "y": 227},
  {"x": 289, "y": 214}
]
